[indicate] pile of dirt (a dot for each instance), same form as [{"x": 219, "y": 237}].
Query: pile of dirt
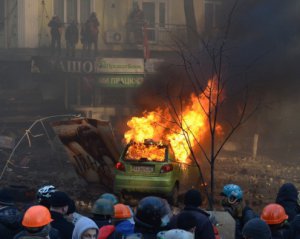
[{"x": 259, "y": 178}]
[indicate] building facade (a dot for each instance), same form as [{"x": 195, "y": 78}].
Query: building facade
[{"x": 127, "y": 48}]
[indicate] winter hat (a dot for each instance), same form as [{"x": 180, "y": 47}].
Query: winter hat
[
  {"x": 59, "y": 199},
  {"x": 257, "y": 229},
  {"x": 6, "y": 198},
  {"x": 192, "y": 198}
]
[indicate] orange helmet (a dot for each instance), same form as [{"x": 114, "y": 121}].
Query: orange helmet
[
  {"x": 273, "y": 214},
  {"x": 121, "y": 211},
  {"x": 36, "y": 216}
]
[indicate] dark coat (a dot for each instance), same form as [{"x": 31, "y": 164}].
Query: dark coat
[
  {"x": 55, "y": 25},
  {"x": 247, "y": 215},
  {"x": 282, "y": 233},
  {"x": 295, "y": 227},
  {"x": 52, "y": 232},
  {"x": 72, "y": 34},
  {"x": 10, "y": 222},
  {"x": 192, "y": 216},
  {"x": 100, "y": 221},
  {"x": 64, "y": 227},
  {"x": 287, "y": 198}
]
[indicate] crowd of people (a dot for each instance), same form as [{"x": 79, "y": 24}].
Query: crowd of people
[
  {"x": 89, "y": 32},
  {"x": 54, "y": 216},
  {"x": 88, "y": 35}
]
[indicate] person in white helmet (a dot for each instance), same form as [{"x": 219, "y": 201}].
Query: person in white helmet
[{"x": 44, "y": 194}]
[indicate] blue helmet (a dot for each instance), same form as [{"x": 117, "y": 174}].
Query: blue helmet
[{"x": 232, "y": 191}]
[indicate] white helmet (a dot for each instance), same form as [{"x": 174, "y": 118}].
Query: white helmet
[
  {"x": 45, "y": 192},
  {"x": 175, "y": 234}
]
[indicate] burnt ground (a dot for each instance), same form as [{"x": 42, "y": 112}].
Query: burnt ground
[{"x": 44, "y": 163}]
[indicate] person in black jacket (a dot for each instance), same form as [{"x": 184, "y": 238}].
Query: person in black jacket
[
  {"x": 287, "y": 197},
  {"x": 295, "y": 227},
  {"x": 59, "y": 207},
  {"x": 10, "y": 217},
  {"x": 55, "y": 31},
  {"x": 71, "y": 36},
  {"x": 192, "y": 216}
]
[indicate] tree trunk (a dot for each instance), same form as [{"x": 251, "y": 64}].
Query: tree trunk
[{"x": 190, "y": 22}]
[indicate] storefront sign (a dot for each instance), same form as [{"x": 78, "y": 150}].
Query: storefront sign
[
  {"x": 88, "y": 66},
  {"x": 120, "y": 81},
  {"x": 119, "y": 65}
]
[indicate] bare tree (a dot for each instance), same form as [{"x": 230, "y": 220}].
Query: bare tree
[{"x": 208, "y": 61}]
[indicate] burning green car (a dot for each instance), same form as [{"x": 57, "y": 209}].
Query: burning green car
[{"x": 151, "y": 168}]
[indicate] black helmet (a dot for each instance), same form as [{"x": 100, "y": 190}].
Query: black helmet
[
  {"x": 152, "y": 212},
  {"x": 103, "y": 207}
]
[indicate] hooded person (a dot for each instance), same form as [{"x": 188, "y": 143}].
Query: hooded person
[
  {"x": 192, "y": 217},
  {"x": 287, "y": 197},
  {"x": 85, "y": 228},
  {"x": 256, "y": 229}
]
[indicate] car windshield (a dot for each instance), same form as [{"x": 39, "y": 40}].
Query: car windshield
[{"x": 146, "y": 152}]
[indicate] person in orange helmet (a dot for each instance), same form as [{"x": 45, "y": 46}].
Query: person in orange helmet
[
  {"x": 275, "y": 216},
  {"x": 36, "y": 222}
]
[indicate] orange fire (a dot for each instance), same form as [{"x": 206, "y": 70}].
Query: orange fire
[
  {"x": 138, "y": 151},
  {"x": 190, "y": 127}
]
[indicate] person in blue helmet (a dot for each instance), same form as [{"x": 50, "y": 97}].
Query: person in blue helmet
[{"x": 233, "y": 203}]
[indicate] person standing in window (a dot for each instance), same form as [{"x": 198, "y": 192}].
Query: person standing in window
[
  {"x": 55, "y": 31},
  {"x": 71, "y": 36},
  {"x": 91, "y": 27},
  {"x": 135, "y": 24}
]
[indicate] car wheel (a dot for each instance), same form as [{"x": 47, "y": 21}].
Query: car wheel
[{"x": 173, "y": 200}]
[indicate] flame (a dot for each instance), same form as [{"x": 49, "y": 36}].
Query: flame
[
  {"x": 189, "y": 129},
  {"x": 151, "y": 152}
]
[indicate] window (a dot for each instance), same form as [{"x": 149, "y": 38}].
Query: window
[
  {"x": 68, "y": 10},
  {"x": 155, "y": 16},
  {"x": 2, "y": 15},
  {"x": 213, "y": 15}
]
